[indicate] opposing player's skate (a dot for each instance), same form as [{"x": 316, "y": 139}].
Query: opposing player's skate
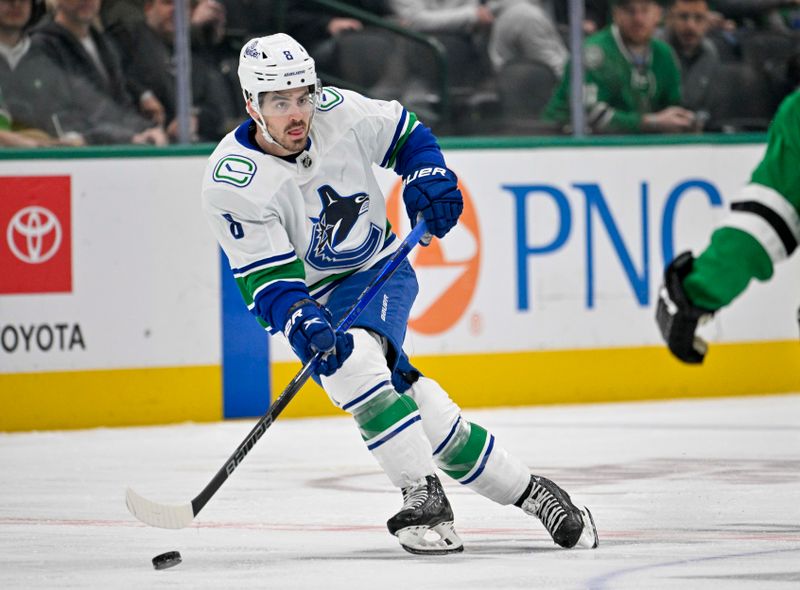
[
  {"x": 426, "y": 509},
  {"x": 569, "y": 525}
]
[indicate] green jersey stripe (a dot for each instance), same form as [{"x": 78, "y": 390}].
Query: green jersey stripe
[
  {"x": 411, "y": 124},
  {"x": 459, "y": 463},
  {"x": 388, "y": 418},
  {"x": 256, "y": 281}
]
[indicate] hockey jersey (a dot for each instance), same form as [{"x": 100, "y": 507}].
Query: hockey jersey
[
  {"x": 617, "y": 90},
  {"x": 309, "y": 220},
  {"x": 763, "y": 226}
]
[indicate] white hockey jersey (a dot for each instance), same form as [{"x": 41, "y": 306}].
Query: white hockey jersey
[{"x": 315, "y": 218}]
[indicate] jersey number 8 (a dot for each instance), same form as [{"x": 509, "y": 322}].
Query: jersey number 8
[{"x": 237, "y": 231}]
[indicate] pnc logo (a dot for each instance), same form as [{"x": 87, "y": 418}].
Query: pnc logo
[
  {"x": 453, "y": 265},
  {"x": 36, "y": 238}
]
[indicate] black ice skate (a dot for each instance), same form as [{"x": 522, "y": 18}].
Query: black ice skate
[
  {"x": 425, "y": 508},
  {"x": 567, "y": 524}
]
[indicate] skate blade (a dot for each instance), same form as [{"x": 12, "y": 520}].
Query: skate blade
[
  {"x": 413, "y": 540},
  {"x": 589, "y": 538}
]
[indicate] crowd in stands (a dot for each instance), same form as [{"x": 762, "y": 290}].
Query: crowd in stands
[{"x": 93, "y": 72}]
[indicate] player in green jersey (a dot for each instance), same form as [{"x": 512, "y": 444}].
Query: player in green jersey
[
  {"x": 763, "y": 228},
  {"x": 632, "y": 81}
]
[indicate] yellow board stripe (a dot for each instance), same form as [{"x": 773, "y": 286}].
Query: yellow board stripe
[
  {"x": 122, "y": 397},
  {"x": 583, "y": 376},
  {"x": 86, "y": 399}
]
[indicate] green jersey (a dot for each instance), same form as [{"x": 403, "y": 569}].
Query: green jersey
[
  {"x": 763, "y": 226},
  {"x": 619, "y": 88}
]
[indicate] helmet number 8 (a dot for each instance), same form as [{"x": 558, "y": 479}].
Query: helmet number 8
[{"x": 288, "y": 55}]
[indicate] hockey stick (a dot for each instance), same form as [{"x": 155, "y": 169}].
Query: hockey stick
[{"x": 171, "y": 516}]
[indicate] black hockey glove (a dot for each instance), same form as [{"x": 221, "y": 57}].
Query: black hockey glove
[
  {"x": 432, "y": 191},
  {"x": 309, "y": 330},
  {"x": 677, "y": 317}
]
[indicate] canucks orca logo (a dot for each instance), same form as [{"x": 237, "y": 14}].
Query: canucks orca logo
[{"x": 330, "y": 247}]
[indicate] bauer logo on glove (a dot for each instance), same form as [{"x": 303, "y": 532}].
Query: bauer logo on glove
[
  {"x": 431, "y": 191},
  {"x": 423, "y": 172}
]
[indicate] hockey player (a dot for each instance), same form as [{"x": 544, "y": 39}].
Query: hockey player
[
  {"x": 762, "y": 228},
  {"x": 292, "y": 199}
]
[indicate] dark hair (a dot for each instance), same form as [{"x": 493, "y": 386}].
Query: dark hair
[{"x": 38, "y": 10}]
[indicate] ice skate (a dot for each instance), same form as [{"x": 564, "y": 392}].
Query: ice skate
[
  {"x": 425, "y": 508},
  {"x": 569, "y": 525}
]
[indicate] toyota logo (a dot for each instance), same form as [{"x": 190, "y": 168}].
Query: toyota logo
[{"x": 34, "y": 234}]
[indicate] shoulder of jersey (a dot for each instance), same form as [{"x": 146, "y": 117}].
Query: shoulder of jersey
[
  {"x": 234, "y": 166},
  {"x": 341, "y": 108}
]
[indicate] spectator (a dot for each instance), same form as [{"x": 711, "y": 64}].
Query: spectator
[
  {"x": 36, "y": 94},
  {"x": 208, "y": 19},
  {"x": 9, "y": 137},
  {"x": 687, "y": 24},
  {"x": 89, "y": 57},
  {"x": 776, "y": 15},
  {"x": 148, "y": 63},
  {"x": 516, "y": 29},
  {"x": 632, "y": 82},
  {"x": 319, "y": 29},
  {"x": 595, "y": 14}
]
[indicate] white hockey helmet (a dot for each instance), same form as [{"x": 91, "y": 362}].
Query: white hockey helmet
[{"x": 272, "y": 63}]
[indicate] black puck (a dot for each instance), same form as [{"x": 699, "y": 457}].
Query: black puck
[{"x": 165, "y": 560}]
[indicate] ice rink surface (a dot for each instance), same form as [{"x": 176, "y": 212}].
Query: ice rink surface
[{"x": 686, "y": 494}]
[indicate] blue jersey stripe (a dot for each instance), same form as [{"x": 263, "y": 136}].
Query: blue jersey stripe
[
  {"x": 264, "y": 262},
  {"x": 364, "y": 396},
  {"x": 483, "y": 462},
  {"x": 397, "y": 132},
  {"x": 448, "y": 437},
  {"x": 394, "y": 432}
]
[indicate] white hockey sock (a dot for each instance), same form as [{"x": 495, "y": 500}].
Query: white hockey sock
[
  {"x": 392, "y": 430},
  {"x": 474, "y": 458},
  {"x": 465, "y": 451},
  {"x": 389, "y": 422}
]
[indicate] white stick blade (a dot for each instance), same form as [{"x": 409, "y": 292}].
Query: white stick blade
[{"x": 164, "y": 516}]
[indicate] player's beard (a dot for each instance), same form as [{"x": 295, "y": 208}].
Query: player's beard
[{"x": 289, "y": 143}]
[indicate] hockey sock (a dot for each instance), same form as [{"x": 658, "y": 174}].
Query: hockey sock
[
  {"x": 473, "y": 457},
  {"x": 391, "y": 428}
]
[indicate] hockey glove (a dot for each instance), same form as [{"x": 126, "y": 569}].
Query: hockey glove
[
  {"x": 432, "y": 192},
  {"x": 308, "y": 329},
  {"x": 677, "y": 317}
]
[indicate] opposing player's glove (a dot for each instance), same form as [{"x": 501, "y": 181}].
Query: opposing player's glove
[
  {"x": 308, "y": 329},
  {"x": 432, "y": 191},
  {"x": 677, "y": 317}
]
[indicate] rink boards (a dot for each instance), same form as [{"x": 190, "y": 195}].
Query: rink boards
[{"x": 111, "y": 310}]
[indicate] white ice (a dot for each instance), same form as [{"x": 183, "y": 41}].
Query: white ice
[{"x": 686, "y": 494}]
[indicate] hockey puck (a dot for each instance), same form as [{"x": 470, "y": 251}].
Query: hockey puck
[{"x": 165, "y": 560}]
